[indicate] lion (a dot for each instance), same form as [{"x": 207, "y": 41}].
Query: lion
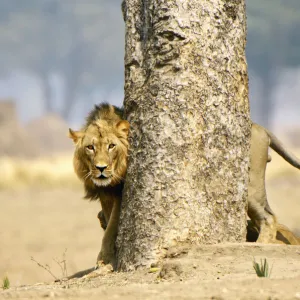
[
  {"x": 259, "y": 210},
  {"x": 100, "y": 161}
]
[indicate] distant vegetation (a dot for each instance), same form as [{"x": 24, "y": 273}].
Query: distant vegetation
[
  {"x": 273, "y": 43},
  {"x": 82, "y": 42},
  {"x": 42, "y": 172}
]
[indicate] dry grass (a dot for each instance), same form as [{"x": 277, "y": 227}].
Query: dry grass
[
  {"x": 53, "y": 171},
  {"x": 57, "y": 171},
  {"x": 61, "y": 262}
]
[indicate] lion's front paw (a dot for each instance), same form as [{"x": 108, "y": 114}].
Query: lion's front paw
[
  {"x": 106, "y": 258},
  {"x": 100, "y": 265}
]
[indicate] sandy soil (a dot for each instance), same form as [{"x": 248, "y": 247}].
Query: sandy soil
[
  {"x": 206, "y": 272},
  {"x": 42, "y": 223}
]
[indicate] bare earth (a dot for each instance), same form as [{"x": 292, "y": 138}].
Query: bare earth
[
  {"x": 42, "y": 223},
  {"x": 206, "y": 272}
]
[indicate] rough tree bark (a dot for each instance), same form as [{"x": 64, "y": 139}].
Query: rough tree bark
[{"x": 186, "y": 98}]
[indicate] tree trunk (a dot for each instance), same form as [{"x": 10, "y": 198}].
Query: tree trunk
[{"x": 186, "y": 98}]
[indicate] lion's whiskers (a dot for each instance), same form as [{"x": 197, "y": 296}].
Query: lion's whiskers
[{"x": 87, "y": 175}]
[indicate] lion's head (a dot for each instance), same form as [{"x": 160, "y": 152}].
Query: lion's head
[{"x": 100, "y": 157}]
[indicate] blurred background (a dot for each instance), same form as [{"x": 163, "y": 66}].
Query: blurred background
[{"x": 59, "y": 58}]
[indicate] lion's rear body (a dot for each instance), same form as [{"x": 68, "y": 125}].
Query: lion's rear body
[{"x": 259, "y": 210}]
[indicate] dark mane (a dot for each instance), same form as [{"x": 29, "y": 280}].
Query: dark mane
[
  {"x": 102, "y": 111},
  {"x": 93, "y": 193}
]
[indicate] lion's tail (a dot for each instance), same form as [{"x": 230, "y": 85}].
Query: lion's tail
[
  {"x": 277, "y": 146},
  {"x": 77, "y": 275}
]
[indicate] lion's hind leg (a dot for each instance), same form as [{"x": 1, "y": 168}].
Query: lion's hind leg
[
  {"x": 267, "y": 229},
  {"x": 264, "y": 220}
]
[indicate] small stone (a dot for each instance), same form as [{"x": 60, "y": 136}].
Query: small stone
[{"x": 153, "y": 270}]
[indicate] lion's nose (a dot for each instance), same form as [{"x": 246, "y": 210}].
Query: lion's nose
[{"x": 101, "y": 168}]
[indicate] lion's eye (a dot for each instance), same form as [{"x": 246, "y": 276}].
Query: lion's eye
[
  {"x": 90, "y": 147},
  {"x": 111, "y": 146}
]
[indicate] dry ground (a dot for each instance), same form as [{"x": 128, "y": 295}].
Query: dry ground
[
  {"x": 43, "y": 222},
  {"x": 206, "y": 272}
]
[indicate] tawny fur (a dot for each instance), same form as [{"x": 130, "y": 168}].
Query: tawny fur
[
  {"x": 100, "y": 161},
  {"x": 259, "y": 210},
  {"x": 283, "y": 235}
]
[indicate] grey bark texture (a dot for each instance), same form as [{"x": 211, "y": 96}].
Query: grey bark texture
[{"x": 186, "y": 98}]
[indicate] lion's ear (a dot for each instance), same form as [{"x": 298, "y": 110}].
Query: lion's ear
[
  {"x": 123, "y": 127},
  {"x": 75, "y": 135}
]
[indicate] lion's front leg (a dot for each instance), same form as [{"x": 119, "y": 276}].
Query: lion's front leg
[
  {"x": 102, "y": 220},
  {"x": 107, "y": 254}
]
